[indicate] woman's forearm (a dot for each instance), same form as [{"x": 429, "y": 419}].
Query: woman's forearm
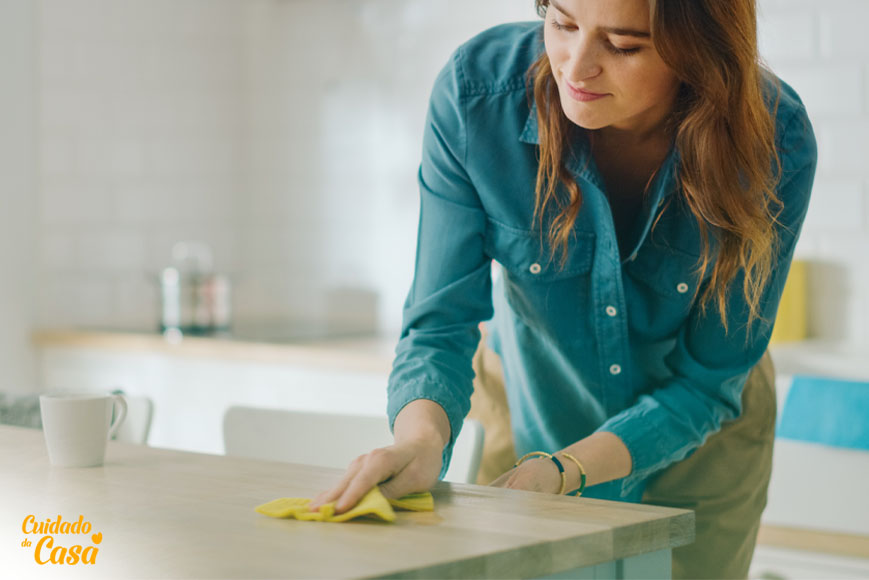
[
  {"x": 603, "y": 456},
  {"x": 422, "y": 419}
]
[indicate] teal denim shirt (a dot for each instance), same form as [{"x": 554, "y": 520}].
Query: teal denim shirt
[{"x": 613, "y": 341}]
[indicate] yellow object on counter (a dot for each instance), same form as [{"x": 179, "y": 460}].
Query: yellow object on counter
[
  {"x": 373, "y": 503},
  {"x": 416, "y": 502},
  {"x": 790, "y": 321}
]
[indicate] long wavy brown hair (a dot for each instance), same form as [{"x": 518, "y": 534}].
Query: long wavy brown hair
[{"x": 724, "y": 131}]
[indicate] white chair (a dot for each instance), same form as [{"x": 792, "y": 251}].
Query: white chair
[
  {"x": 137, "y": 425},
  {"x": 330, "y": 440}
]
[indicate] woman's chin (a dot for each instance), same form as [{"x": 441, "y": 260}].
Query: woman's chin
[
  {"x": 587, "y": 123},
  {"x": 581, "y": 116}
]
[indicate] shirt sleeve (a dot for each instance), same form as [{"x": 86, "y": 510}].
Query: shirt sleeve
[
  {"x": 709, "y": 368},
  {"x": 451, "y": 290}
]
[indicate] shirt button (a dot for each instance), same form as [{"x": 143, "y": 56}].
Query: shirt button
[
  {"x": 682, "y": 287},
  {"x": 535, "y": 268},
  {"x": 615, "y": 369},
  {"x": 611, "y": 310}
]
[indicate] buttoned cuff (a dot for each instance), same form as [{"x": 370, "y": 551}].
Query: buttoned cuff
[{"x": 440, "y": 394}]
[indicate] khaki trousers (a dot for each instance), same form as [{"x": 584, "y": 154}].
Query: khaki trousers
[{"x": 725, "y": 481}]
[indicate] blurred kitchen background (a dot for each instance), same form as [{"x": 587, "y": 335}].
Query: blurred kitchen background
[{"x": 285, "y": 135}]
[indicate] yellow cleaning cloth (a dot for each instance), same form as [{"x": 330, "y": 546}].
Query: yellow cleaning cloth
[
  {"x": 373, "y": 503},
  {"x": 416, "y": 502}
]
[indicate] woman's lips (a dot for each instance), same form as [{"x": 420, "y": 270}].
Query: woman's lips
[{"x": 581, "y": 95}]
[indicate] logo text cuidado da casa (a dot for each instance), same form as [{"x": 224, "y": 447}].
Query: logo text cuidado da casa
[{"x": 61, "y": 542}]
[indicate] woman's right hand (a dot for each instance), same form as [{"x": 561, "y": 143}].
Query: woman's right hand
[{"x": 409, "y": 466}]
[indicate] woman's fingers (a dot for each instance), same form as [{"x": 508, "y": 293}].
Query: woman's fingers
[
  {"x": 378, "y": 466},
  {"x": 403, "y": 468},
  {"x": 335, "y": 492}
]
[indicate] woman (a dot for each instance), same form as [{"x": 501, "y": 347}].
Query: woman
[{"x": 641, "y": 182}]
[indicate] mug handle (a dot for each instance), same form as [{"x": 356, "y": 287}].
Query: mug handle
[{"x": 121, "y": 402}]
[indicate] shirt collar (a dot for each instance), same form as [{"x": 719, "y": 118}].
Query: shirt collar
[
  {"x": 529, "y": 133},
  {"x": 581, "y": 165}
]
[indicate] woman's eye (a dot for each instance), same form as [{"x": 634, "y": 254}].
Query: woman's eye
[
  {"x": 622, "y": 51},
  {"x": 559, "y": 26}
]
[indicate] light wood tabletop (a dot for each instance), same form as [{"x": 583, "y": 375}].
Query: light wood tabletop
[{"x": 170, "y": 514}]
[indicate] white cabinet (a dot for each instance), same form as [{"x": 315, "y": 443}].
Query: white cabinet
[{"x": 191, "y": 389}]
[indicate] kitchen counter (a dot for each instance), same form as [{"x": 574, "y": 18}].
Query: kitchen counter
[
  {"x": 374, "y": 353},
  {"x": 366, "y": 353},
  {"x": 169, "y": 514},
  {"x": 193, "y": 382}
]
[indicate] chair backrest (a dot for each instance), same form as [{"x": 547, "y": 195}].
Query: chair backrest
[
  {"x": 137, "y": 425},
  {"x": 20, "y": 410},
  {"x": 331, "y": 440}
]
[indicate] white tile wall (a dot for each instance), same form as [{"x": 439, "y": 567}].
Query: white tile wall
[
  {"x": 140, "y": 127},
  {"x": 18, "y": 154},
  {"x": 819, "y": 48},
  {"x": 287, "y": 134}
]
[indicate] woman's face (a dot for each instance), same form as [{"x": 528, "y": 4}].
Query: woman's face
[{"x": 606, "y": 67}]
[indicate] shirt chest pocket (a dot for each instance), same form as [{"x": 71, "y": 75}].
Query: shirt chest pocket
[
  {"x": 669, "y": 272},
  {"x": 552, "y": 298},
  {"x": 526, "y": 256},
  {"x": 660, "y": 288}
]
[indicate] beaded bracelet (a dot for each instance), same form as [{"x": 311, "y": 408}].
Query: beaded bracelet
[
  {"x": 581, "y": 473},
  {"x": 554, "y": 460}
]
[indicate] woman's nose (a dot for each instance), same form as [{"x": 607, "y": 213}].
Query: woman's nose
[{"x": 584, "y": 60}]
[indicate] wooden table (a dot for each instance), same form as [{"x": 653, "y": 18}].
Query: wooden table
[{"x": 173, "y": 514}]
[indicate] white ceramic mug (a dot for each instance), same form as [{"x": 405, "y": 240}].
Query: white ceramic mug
[{"x": 77, "y": 426}]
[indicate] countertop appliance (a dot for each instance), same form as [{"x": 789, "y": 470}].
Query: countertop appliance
[{"x": 195, "y": 299}]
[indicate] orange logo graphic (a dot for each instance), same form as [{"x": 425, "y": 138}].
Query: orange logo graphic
[{"x": 60, "y": 551}]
